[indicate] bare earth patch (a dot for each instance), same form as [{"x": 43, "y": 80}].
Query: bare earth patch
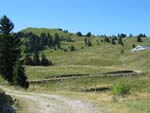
[{"x": 46, "y": 103}]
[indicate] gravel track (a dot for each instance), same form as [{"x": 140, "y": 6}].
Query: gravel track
[{"x": 47, "y": 103}]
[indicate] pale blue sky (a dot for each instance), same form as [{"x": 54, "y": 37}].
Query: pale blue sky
[{"x": 97, "y": 16}]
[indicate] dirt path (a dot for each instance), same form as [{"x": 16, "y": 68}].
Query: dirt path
[{"x": 46, "y": 103}]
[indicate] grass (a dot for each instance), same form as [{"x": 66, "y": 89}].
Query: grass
[
  {"x": 40, "y": 72},
  {"x": 82, "y": 88},
  {"x": 25, "y": 105},
  {"x": 120, "y": 88},
  {"x": 96, "y": 60}
]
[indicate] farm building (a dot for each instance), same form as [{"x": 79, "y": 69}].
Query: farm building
[{"x": 140, "y": 48}]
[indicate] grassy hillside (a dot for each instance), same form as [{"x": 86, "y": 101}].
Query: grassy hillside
[
  {"x": 95, "y": 60},
  {"x": 38, "y": 31},
  {"x": 90, "y": 60}
]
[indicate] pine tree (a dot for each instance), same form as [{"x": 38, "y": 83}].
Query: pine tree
[
  {"x": 106, "y": 39},
  {"x": 57, "y": 40},
  {"x": 113, "y": 41},
  {"x": 31, "y": 42},
  {"x": 139, "y": 39},
  {"x": 130, "y": 35},
  {"x": 72, "y": 48},
  {"x": 122, "y": 35},
  {"x": 120, "y": 41},
  {"x": 85, "y": 41},
  {"x": 89, "y": 43},
  {"x": 133, "y": 46},
  {"x": 89, "y": 34},
  {"x": 36, "y": 60},
  {"x": 50, "y": 41},
  {"x": 28, "y": 60},
  {"x": 43, "y": 39},
  {"x": 27, "y": 47},
  {"x": 79, "y": 34},
  {"x": 44, "y": 60},
  {"x": 10, "y": 53},
  {"x": 19, "y": 77},
  {"x": 97, "y": 42},
  {"x": 37, "y": 44}
]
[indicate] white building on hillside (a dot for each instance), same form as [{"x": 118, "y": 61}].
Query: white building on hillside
[{"x": 140, "y": 48}]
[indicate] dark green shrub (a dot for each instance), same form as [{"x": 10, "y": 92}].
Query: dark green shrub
[
  {"x": 122, "y": 51},
  {"x": 72, "y": 48},
  {"x": 133, "y": 46},
  {"x": 5, "y": 99}
]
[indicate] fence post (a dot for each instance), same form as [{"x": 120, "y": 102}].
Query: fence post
[
  {"x": 95, "y": 84},
  {"x": 33, "y": 86},
  {"x": 4, "y": 82},
  {"x": 77, "y": 83}
]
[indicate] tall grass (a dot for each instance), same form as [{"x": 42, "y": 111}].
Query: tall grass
[{"x": 120, "y": 88}]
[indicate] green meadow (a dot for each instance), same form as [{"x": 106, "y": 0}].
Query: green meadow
[{"x": 101, "y": 57}]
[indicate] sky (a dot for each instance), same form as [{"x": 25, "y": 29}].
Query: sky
[{"x": 99, "y": 17}]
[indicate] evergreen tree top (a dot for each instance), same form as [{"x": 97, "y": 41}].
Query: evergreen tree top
[{"x": 6, "y": 25}]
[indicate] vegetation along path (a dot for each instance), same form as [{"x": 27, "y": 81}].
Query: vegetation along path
[{"x": 46, "y": 103}]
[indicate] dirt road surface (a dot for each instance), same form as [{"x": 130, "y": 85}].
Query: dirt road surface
[{"x": 47, "y": 103}]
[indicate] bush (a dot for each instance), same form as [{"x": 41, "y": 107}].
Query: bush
[
  {"x": 72, "y": 48},
  {"x": 89, "y": 43},
  {"x": 122, "y": 51},
  {"x": 5, "y": 99},
  {"x": 120, "y": 89},
  {"x": 65, "y": 50},
  {"x": 89, "y": 34},
  {"x": 79, "y": 34},
  {"x": 44, "y": 61},
  {"x": 133, "y": 46},
  {"x": 139, "y": 39},
  {"x": 106, "y": 39},
  {"x": 113, "y": 41},
  {"x": 120, "y": 42},
  {"x": 28, "y": 60}
]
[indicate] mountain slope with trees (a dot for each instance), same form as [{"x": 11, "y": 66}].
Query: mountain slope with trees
[{"x": 56, "y": 53}]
